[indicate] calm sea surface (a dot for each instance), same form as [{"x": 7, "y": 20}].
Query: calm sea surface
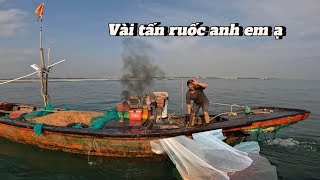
[{"x": 295, "y": 152}]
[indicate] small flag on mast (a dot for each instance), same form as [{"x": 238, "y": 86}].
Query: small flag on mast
[{"x": 39, "y": 10}]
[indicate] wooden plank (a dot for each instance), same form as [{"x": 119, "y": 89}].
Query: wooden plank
[{"x": 3, "y": 111}]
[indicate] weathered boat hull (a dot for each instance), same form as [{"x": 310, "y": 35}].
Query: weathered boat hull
[
  {"x": 272, "y": 122},
  {"x": 127, "y": 142},
  {"x": 81, "y": 144}
]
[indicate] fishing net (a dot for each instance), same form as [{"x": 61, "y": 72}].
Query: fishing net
[
  {"x": 66, "y": 118},
  {"x": 48, "y": 109},
  {"x": 208, "y": 157},
  {"x": 77, "y": 125},
  {"x": 247, "y": 110},
  {"x": 37, "y": 129},
  {"x": 99, "y": 121},
  {"x": 6, "y": 116}
]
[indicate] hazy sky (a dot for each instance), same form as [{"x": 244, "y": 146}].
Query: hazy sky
[{"x": 78, "y": 31}]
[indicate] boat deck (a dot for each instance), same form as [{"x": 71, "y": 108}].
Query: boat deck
[
  {"x": 256, "y": 116},
  {"x": 260, "y": 116},
  {"x": 177, "y": 125}
]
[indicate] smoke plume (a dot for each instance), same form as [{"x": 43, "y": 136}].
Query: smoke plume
[{"x": 139, "y": 71}]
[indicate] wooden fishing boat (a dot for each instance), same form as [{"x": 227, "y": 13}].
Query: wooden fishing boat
[
  {"x": 117, "y": 137},
  {"x": 130, "y": 138}
]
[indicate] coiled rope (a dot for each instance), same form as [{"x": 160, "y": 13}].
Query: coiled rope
[{"x": 231, "y": 113}]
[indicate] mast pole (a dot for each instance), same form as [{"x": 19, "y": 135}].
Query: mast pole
[
  {"x": 44, "y": 72},
  {"x": 182, "y": 110}
]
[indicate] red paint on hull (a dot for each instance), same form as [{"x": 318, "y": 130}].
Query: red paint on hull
[{"x": 272, "y": 122}]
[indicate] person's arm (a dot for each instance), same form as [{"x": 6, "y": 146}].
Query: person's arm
[
  {"x": 203, "y": 85},
  {"x": 189, "y": 108}
]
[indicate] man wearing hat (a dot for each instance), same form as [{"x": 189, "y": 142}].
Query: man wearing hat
[{"x": 200, "y": 100}]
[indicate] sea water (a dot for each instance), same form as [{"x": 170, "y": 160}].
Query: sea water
[{"x": 295, "y": 152}]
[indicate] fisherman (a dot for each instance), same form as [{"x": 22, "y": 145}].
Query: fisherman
[{"x": 200, "y": 100}]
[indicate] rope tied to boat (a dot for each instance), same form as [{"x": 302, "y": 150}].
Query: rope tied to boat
[
  {"x": 231, "y": 113},
  {"x": 262, "y": 131},
  {"x": 92, "y": 147},
  {"x": 277, "y": 129}
]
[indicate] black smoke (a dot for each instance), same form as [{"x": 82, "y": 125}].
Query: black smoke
[{"x": 138, "y": 69}]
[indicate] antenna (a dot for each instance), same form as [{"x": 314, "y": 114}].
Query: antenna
[
  {"x": 38, "y": 70},
  {"x": 35, "y": 67},
  {"x": 48, "y": 55}
]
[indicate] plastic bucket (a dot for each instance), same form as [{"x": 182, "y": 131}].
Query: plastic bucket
[
  {"x": 126, "y": 115},
  {"x": 145, "y": 114},
  {"x": 135, "y": 115},
  {"x": 121, "y": 107}
]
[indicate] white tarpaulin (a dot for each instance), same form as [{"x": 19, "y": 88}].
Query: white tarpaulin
[{"x": 206, "y": 156}]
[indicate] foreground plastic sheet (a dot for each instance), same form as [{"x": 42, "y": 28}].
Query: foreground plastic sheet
[
  {"x": 259, "y": 170},
  {"x": 249, "y": 147},
  {"x": 208, "y": 157}
]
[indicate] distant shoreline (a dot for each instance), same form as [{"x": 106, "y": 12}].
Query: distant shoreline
[
  {"x": 60, "y": 80},
  {"x": 118, "y": 79}
]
